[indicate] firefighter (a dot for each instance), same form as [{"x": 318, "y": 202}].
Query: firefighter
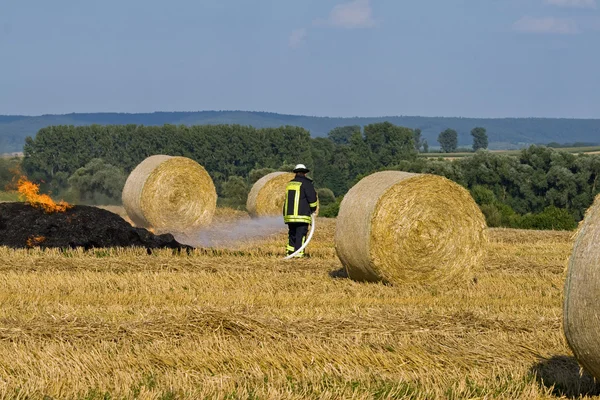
[{"x": 300, "y": 202}]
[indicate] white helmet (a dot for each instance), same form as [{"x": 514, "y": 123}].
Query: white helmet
[{"x": 301, "y": 168}]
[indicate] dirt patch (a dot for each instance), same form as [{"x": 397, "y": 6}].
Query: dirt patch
[{"x": 22, "y": 226}]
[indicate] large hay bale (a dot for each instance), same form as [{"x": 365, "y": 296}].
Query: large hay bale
[
  {"x": 402, "y": 227},
  {"x": 267, "y": 195},
  {"x": 169, "y": 194},
  {"x": 581, "y": 308}
]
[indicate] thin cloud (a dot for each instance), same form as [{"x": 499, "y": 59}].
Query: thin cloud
[
  {"x": 589, "y": 23},
  {"x": 298, "y": 37},
  {"x": 561, "y": 26},
  {"x": 352, "y": 14},
  {"x": 573, "y": 3}
]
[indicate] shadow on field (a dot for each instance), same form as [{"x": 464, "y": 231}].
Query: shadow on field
[
  {"x": 339, "y": 273},
  {"x": 564, "y": 377}
]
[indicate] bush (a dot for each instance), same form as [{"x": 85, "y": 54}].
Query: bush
[
  {"x": 326, "y": 197},
  {"x": 286, "y": 168},
  {"x": 256, "y": 174},
  {"x": 500, "y": 215},
  {"x": 9, "y": 196},
  {"x": 414, "y": 166},
  {"x": 493, "y": 217},
  {"x": 332, "y": 210},
  {"x": 9, "y": 168},
  {"x": 509, "y": 218},
  {"x": 98, "y": 183},
  {"x": 552, "y": 218},
  {"x": 235, "y": 192},
  {"x": 483, "y": 195}
]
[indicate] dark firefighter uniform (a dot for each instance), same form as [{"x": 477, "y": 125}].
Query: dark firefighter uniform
[{"x": 300, "y": 202}]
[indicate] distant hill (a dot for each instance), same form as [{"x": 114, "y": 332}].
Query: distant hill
[{"x": 504, "y": 133}]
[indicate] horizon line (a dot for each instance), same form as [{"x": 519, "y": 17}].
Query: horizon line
[{"x": 282, "y": 114}]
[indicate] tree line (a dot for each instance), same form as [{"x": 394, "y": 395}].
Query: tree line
[
  {"x": 511, "y": 132},
  {"x": 57, "y": 152},
  {"x": 540, "y": 188},
  {"x": 448, "y": 139}
]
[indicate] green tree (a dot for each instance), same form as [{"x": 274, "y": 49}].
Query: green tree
[
  {"x": 331, "y": 210},
  {"x": 480, "y": 138},
  {"x": 552, "y": 218},
  {"x": 325, "y": 196},
  {"x": 360, "y": 158},
  {"x": 483, "y": 195},
  {"x": 256, "y": 174},
  {"x": 444, "y": 168},
  {"x": 235, "y": 190},
  {"x": 513, "y": 190},
  {"x": 389, "y": 144},
  {"x": 448, "y": 140},
  {"x": 425, "y": 147},
  {"x": 322, "y": 154},
  {"x": 224, "y": 150},
  {"x": 286, "y": 167},
  {"x": 418, "y": 139},
  {"x": 493, "y": 216},
  {"x": 9, "y": 168},
  {"x": 98, "y": 182},
  {"x": 342, "y": 134}
]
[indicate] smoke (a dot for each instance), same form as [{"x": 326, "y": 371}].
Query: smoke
[{"x": 232, "y": 234}]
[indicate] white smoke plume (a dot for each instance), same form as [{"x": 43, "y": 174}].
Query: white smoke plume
[{"x": 230, "y": 235}]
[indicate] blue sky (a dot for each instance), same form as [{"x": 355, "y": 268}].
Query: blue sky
[{"x": 469, "y": 58}]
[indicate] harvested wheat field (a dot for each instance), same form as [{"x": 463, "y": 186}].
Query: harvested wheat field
[{"x": 243, "y": 324}]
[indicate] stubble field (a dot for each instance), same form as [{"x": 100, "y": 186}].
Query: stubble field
[{"x": 243, "y": 324}]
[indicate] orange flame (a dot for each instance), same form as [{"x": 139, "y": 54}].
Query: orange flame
[
  {"x": 30, "y": 192},
  {"x": 35, "y": 240}
]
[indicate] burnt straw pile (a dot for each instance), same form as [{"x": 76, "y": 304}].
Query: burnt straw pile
[{"x": 24, "y": 226}]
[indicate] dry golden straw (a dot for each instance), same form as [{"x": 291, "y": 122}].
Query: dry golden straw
[
  {"x": 401, "y": 227},
  {"x": 169, "y": 194},
  {"x": 267, "y": 195},
  {"x": 117, "y": 323},
  {"x": 582, "y": 293}
]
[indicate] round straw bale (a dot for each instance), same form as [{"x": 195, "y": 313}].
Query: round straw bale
[
  {"x": 402, "y": 227},
  {"x": 581, "y": 307},
  {"x": 267, "y": 195},
  {"x": 169, "y": 194}
]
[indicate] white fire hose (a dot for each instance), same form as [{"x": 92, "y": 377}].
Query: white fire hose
[{"x": 308, "y": 238}]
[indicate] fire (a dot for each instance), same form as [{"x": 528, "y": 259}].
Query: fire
[
  {"x": 30, "y": 192},
  {"x": 35, "y": 240}
]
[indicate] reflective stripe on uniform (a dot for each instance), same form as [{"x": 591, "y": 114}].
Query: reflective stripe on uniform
[
  {"x": 314, "y": 205},
  {"x": 305, "y": 219},
  {"x": 297, "y": 200},
  {"x": 292, "y": 187}
]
